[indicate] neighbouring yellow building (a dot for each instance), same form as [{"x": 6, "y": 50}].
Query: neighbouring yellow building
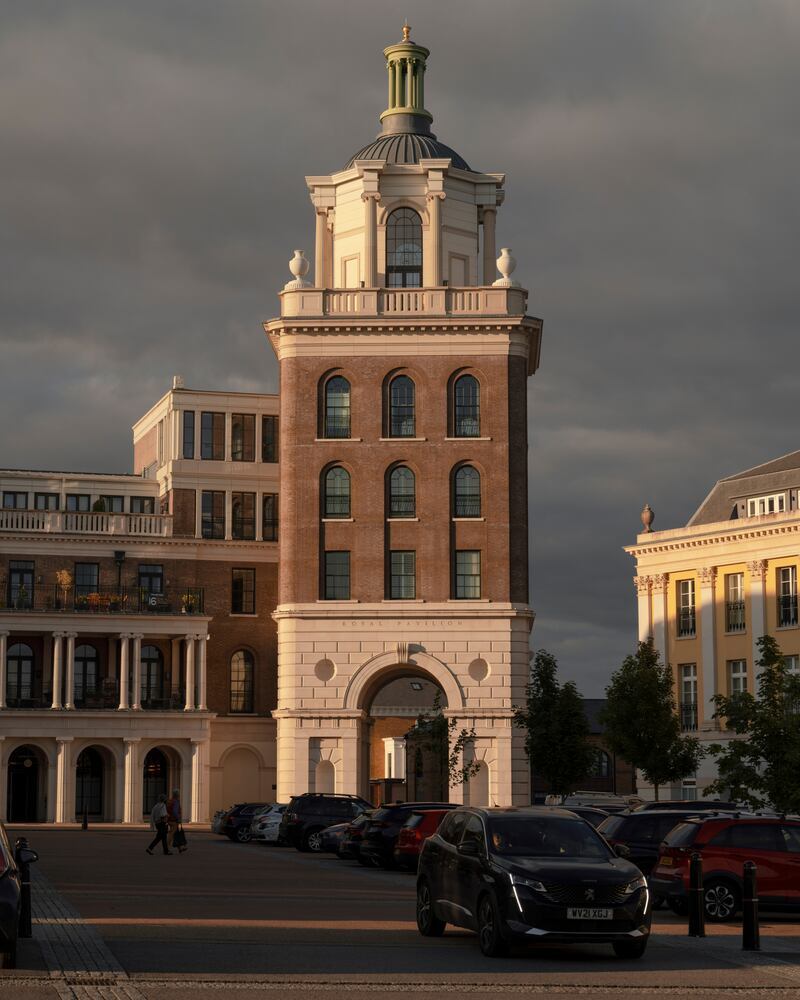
[{"x": 708, "y": 591}]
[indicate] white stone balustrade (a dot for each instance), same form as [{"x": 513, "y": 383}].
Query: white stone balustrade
[
  {"x": 67, "y": 522},
  {"x": 473, "y": 300}
]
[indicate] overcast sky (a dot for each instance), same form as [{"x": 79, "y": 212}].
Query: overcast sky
[{"x": 152, "y": 157}]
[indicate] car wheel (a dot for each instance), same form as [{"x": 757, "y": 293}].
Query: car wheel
[
  {"x": 428, "y": 924},
  {"x": 489, "y": 937},
  {"x": 721, "y": 900},
  {"x": 630, "y": 949},
  {"x": 679, "y": 906},
  {"x": 313, "y": 841},
  {"x": 244, "y": 835}
]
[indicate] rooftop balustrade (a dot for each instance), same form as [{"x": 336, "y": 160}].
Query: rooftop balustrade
[
  {"x": 67, "y": 522},
  {"x": 343, "y": 302}
]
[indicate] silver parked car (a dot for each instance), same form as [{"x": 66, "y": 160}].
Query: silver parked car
[{"x": 266, "y": 823}]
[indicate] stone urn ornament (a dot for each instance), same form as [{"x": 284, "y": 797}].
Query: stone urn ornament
[
  {"x": 506, "y": 265},
  {"x": 648, "y": 516},
  {"x": 298, "y": 266}
]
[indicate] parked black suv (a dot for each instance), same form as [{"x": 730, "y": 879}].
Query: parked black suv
[
  {"x": 529, "y": 875},
  {"x": 307, "y": 816},
  {"x": 694, "y": 806},
  {"x": 642, "y": 833},
  {"x": 383, "y": 828}
]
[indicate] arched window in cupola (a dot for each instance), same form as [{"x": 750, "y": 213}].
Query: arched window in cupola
[{"x": 404, "y": 249}]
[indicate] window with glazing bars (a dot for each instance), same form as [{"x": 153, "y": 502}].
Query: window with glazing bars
[
  {"x": 269, "y": 439},
  {"x": 46, "y": 501},
  {"x": 143, "y": 505},
  {"x": 213, "y": 514},
  {"x": 337, "y": 576},
  {"x": 734, "y": 604},
  {"x": 402, "y": 492},
  {"x": 243, "y": 592},
  {"x": 402, "y": 419},
  {"x": 188, "y": 434},
  {"x": 402, "y": 576},
  {"x": 242, "y": 681},
  {"x": 686, "y": 608},
  {"x": 337, "y": 493},
  {"x": 243, "y": 437},
  {"x": 78, "y": 501},
  {"x": 467, "y": 492},
  {"x": 404, "y": 249},
  {"x": 15, "y": 501},
  {"x": 87, "y": 578},
  {"x": 337, "y": 408},
  {"x": 737, "y": 676},
  {"x": 212, "y": 436},
  {"x": 467, "y": 575},
  {"x": 688, "y": 677},
  {"x": 270, "y": 517},
  {"x": 467, "y": 407},
  {"x": 787, "y": 596},
  {"x": 243, "y": 515}
]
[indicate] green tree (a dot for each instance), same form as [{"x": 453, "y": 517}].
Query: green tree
[
  {"x": 447, "y": 744},
  {"x": 556, "y": 728},
  {"x": 763, "y": 768},
  {"x": 641, "y": 723}
]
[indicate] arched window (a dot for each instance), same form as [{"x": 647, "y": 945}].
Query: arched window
[
  {"x": 242, "y": 681},
  {"x": 467, "y": 492},
  {"x": 19, "y": 666},
  {"x": 602, "y": 764},
  {"x": 402, "y": 422},
  {"x": 402, "y": 492},
  {"x": 404, "y": 249},
  {"x": 466, "y": 407},
  {"x": 152, "y": 689},
  {"x": 337, "y": 493},
  {"x": 337, "y": 408},
  {"x": 86, "y": 673}
]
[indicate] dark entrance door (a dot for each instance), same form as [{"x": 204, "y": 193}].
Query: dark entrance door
[
  {"x": 23, "y": 787},
  {"x": 155, "y": 779},
  {"x": 89, "y": 784}
]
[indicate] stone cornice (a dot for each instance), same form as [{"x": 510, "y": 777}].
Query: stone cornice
[
  {"x": 720, "y": 533},
  {"x": 361, "y": 615},
  {"x": 176, "y": 548}
]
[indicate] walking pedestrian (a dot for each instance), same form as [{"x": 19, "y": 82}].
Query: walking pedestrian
[
  {"x": 158, "y": 817},
  {"x": 174, "y": 818}
]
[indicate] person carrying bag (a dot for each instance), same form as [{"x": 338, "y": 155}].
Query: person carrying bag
[{"x": 179, "y": 839}]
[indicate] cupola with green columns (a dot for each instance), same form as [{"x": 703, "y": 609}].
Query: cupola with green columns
[{"x": 405, "y": 64}]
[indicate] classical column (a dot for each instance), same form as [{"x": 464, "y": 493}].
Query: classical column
[
  {"x": 175, "y": 667},
  {"x": 328, "y": 276},
  {"x": 57, "y": 657},
  {"x": 62, "y": 778},
  {"x": 189, "y": 706},
  {"x": 370, "y": 239},
  {"x": 3, "y": 679},
  {"x": 196, "y": 804},
  {"x": 319, "y": 248},
  {"x": 69, "y": 697},
  {"x": 435, "y": 245},
  {"x": 660, "y": 581},
  {"x": 489, "y": 248},
  {"x": 708, "y": 642},
  {"x": 758, "y": 619},
  {"x": 202, "y": 660},
  {"x": 136, "y": 653},
  {"x": 129, "y": 794},
  {"x": 642, "y": 584},
  {"x": 124, "y": 681}
]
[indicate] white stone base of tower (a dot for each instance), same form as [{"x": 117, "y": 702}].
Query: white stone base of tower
[{"x": 334, "y": 657}]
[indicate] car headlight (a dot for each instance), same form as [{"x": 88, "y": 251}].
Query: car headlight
[
  {"x": 638, "y": 883},
  {"x": 528, "y": 882}
]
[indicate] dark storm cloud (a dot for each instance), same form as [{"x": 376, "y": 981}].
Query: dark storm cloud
[{"x": 152, "y": 189}]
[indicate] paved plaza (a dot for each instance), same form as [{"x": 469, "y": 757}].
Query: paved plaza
[{"x": 111, "y": 922}]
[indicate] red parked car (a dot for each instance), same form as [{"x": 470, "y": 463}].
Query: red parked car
[
  {"x": 725, "y": 842},
  {"x": 417, "y": 828}
]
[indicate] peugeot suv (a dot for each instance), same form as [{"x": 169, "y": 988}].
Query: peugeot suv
[{"x": 525, "y": 875}]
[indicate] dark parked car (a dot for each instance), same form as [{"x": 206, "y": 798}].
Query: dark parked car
[
  {"x": 642, "y": 833},
  {"x": 350, "y": 844},
  {"x": 690, "y": 805},
  {"x": 524, "y": 875},
  {"x": 589, "y": 813},
  {"x": 414, "y": 832},
  {"x": 380, "y": 835},
  {"x": 236, "y": 822},
  {"x": 10, "y": 899},
  {"x": 309, "y": 814}
]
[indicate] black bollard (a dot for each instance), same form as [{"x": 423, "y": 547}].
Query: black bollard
[
  {"x": 85, "y": 821},
  {"x": 21, "y": 856},
  {"x": 697, "y": 913},
  {"x": 750, "y": 936}
]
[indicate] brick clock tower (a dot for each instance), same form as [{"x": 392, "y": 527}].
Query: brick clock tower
[{"x": 403, "y": 402}]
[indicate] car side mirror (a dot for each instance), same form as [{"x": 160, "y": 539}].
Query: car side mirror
[
  {"x": 469, "y": 848},
  {"x": 26, "y": 856},
  {"x": 622, "y": 851}
]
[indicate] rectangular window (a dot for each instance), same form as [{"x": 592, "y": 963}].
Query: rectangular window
[
  {"x": 87, "y": 579},
  {"x": 15, "y": 501},
  {"x": 402, "y": 576},
  {"x": 45, "y": 501},
  {"x": 686, "y": 608},
  {"x": 269, "y": 439},
  {"x": 774, "y": 504},
  {"x": 737, "y": 676},
  {"x": 734, "y": 602},
  {"x": 212, "y": 436},
  {"x": 79, "y": 502},
  {"x": 270, "y": 524},
  {"x": 689, "y": 789},
  {"x": 188, "y": 434},
  {"x": 113, "y": 504},
  {"x": 151, "y": 579},
  {"x": 143, "y": 505},
  {"x": 337, "y": 576},
  {"x": 243, "y": 437},
  {"x": 243, "y": 515},
  {"x": 20, "y": 584},
  {"x": 792, "y": 662},
  {"x": 213, "y": 514},
  {"x": 787, "y": 596},
  {"x": 243, "y": 592},
  {"x": 468, "y": 575},
  {"x": 687, "y": 673}
]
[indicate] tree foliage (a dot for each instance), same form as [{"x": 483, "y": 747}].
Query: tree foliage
[
  {"x": 641, "y": 723},
  {"x": 762, "y": 768},
  {"x": 447, "y": 744},
  {"x": 556, "y": 728}
]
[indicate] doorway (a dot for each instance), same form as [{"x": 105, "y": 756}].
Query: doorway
[{"x": 27, "y": 772}]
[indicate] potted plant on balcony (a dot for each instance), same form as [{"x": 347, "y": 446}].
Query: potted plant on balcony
[
  {"x": 116, "y": 602},
  {"x": 81, "y": 602},
  {"x": 93, "y": 601},
  {"x": 64, "y": 581},
  {"x": 188, "y": 603}
]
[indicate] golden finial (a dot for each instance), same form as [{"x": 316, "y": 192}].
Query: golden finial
[{"x": 406, "y": 31}]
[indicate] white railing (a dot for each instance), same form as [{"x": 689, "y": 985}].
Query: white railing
[
  {"x": 69, "y": 522},
  {"x": 484, "y": 300}
]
